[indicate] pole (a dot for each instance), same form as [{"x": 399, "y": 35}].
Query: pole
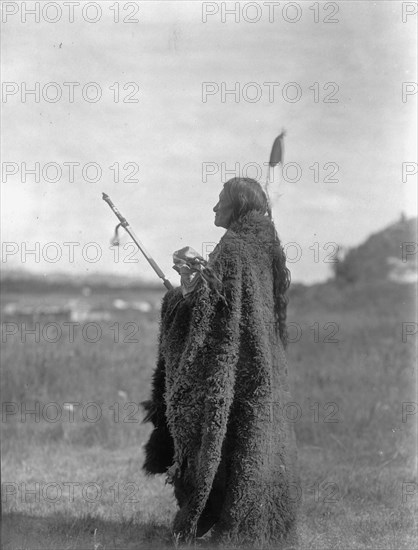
[{"x": 124, "y": 223}]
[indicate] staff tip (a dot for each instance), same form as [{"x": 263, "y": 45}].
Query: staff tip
[{"x": 104, "y": 196}]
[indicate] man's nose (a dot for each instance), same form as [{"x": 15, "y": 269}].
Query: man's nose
[{"x": 215, "y": 208}]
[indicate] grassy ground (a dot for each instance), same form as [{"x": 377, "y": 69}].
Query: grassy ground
[
  {"x": 344, "y": 505},
  {"x": 78, "y": 484}
]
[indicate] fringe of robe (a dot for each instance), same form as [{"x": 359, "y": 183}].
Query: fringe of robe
[{"x": 219, "y": 390}]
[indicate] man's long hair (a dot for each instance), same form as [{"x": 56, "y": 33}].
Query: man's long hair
[{"x": 246, "y": 195}]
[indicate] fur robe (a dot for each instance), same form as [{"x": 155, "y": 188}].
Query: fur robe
[{"x": 218, "y": 396}]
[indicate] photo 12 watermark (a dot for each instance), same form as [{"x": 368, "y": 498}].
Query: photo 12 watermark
[
  {"x": 327, "y": 253},
  {"x": 289, "y": 172},
  {"x": 270, "y": 92},
  {"x": 409, "y": 12},
  {"x": 72, "y": 412},
  {"x": 69, "y": 172},
  {"x": 68, "y": 331},
  {"x": 55, "y": 492},
  {"x": 69, "y": 92},
  {"x": 70, "y": 12},
  {"x": 271, "y": 12}
]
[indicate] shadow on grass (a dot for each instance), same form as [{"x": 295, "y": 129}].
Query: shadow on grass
[{"x": 58, "y": 531}]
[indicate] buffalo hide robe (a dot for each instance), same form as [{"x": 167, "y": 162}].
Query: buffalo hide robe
[{"x": 219, "y": 391}]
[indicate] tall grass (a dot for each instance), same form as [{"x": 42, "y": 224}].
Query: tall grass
[{"x": 356, "y": 446}]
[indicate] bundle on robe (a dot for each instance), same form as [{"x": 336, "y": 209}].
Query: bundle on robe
[{"x": 219, "y": 393}]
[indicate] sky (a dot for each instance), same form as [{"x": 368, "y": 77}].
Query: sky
[{"x": 175, "y": 135}]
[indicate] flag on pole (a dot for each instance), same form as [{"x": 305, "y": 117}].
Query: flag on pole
[
  {"x": 277, "y": 151},
  {"x": 276, "y": 157}
]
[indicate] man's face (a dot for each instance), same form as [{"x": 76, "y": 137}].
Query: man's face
[{"x": 223, "y": 211}]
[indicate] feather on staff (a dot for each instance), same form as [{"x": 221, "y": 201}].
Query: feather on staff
[{"x": 276, "y": 157}]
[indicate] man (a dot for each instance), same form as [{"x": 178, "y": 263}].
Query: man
[{"x": 221, "y": 382}]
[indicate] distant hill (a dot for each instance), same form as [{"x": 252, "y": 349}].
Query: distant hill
[
  {"x": 371, "y": 278},
  {"x": 19, "y": 280},
  {"x": 390, "y": 255}
]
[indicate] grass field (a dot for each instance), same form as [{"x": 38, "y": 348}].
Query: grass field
[{"x": 75, "y": 482}]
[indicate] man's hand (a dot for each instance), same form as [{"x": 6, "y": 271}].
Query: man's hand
[{"x": 188, "y": 263}]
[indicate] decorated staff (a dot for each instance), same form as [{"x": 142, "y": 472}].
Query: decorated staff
[{"x": 124, "y": 223}]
